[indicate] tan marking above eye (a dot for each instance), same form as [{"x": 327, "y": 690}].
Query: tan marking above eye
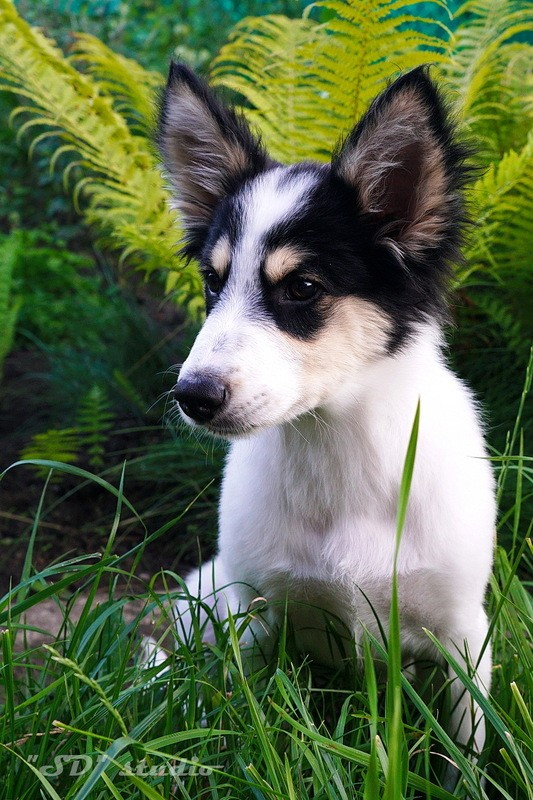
[
  {"x": 280, "y": 262},
  {"x": 221, "y": 256}
]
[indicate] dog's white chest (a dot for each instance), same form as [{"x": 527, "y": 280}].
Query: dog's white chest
[
  {"x": 296, "y": 516},
  {"x": 314, "y": 531}
]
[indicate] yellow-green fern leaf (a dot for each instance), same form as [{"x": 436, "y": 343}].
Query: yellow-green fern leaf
[
  {"x": 262, "y": 62},
  {"x": 115, "y": 169},
  {"x": 308, "y": 83},
  {"x": 53, "y": 445},
  {"x": 502, "y": 200},
  {"x": 373, "y": 41},
  {"x": 132, "y": 87},
  {"x": 489, "y": 72}
]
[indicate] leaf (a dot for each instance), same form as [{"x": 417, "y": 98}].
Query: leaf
[
  {"x": 10, "y": 250},
  {"x": 306, "y": 84},
  {"x": 131, "y": 87},
  {"x": 116, "y": 173}
]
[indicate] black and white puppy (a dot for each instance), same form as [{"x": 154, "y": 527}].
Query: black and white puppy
[{"x": 325, "y": 288}]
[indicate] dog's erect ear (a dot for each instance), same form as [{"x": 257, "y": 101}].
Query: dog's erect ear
[
  {"x": 406, "y": 168},
  {"x": 207, "y": 149}
]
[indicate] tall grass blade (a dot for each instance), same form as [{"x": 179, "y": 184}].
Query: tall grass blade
[{"x": 395, "y": 779}]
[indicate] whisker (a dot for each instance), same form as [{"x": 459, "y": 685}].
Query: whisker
[
  {"x": 158, "y": 400},
  {"x": 174, "y": 369}
]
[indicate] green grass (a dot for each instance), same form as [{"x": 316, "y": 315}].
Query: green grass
[{"x": 81, "y": 718}]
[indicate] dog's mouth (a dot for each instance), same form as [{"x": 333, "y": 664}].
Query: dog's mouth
[
  {"x": 225, "y": 428},
  {"x": 232, "y": 433}
]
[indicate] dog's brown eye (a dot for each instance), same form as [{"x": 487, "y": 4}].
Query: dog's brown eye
[
  {"x": 301, "y": 289},
  {"x": 212, "y": 281}
]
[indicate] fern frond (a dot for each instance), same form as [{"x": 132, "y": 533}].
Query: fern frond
[
  {"x": 53, "y": 445},
  {"x": 262, "y": 62},
  {"x": 502, "y": 202},
  {"x": 501, "y": 317},
  {"x": 131, "y": 87},
  {"x": 307, "y": 83},
  {"x": 502, "y": 240},
  {"x": 88, "y": 436},
  {"x": 94, "y": 421},
  {"x": 488, "y": 72},
  {"x": 373, "y": 41},
  {"x": 121, "y": 180}
]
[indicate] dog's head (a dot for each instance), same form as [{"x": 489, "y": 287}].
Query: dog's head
[{"x": 312, "y": 272}]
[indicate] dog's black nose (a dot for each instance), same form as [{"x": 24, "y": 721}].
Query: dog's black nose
[{"x": 200, "y": 397}]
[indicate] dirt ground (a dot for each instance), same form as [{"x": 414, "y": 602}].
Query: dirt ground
[{"x": 44, "y": 620}]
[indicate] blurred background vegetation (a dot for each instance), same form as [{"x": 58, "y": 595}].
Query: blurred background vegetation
[{"x": 95, "y": 305}]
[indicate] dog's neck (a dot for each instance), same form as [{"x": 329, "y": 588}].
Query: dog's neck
[
  {"x": 392, "y": 382},
  {"x": 362, "y": 438}
]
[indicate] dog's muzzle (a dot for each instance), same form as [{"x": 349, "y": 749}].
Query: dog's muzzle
[{"x": 200, "y": 397}]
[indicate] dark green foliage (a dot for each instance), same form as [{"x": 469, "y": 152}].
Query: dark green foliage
[
  {"x": 30, "y": 195},
  {"x": 88, "y": 329},
  {"x": 57, "y": 301},
  {"x": 74, "y": 311},
  {"x": 490, "y": 349},
  {"x": 151, "y": 30},
  {"x": 8, "y": 305}
]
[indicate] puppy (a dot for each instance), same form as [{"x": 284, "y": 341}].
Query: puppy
[{"x": 325, "y": 288}]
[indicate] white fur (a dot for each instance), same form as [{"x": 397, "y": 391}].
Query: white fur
[
  {"x": 265, "y": 205},
  {"x": 310, "y": 490}
]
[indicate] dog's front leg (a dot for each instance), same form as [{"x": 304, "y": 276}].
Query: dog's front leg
[
  {"x": 210, "y": 597},
  {"x": 472, "y": 652},
  {"x": 207, "y": 598}
]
